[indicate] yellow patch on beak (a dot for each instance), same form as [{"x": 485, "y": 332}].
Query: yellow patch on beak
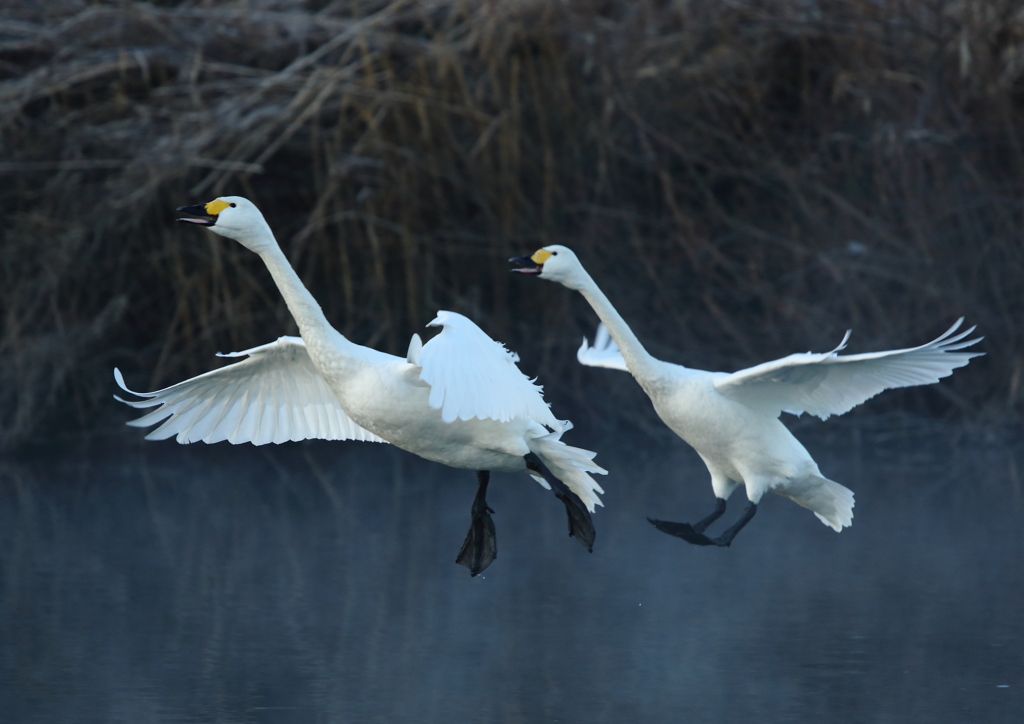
[
  {"x": 540, "y": 256},
  {"x": 216, "y": 206}
]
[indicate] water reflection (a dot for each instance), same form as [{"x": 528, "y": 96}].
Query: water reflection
[{"x": 317, "y": 583}]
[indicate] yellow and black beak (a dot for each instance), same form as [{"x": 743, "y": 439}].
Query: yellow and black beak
[
  {"x": 207, "y": 213},
  {"x": 530, "y": 264}
]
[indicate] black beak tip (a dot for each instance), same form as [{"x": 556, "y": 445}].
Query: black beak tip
[
  {"x": 205, "y": 219},
  {"x": 525, "y": 265}
]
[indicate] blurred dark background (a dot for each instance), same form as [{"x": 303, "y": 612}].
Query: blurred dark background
[{"x": 744, "y": 179}]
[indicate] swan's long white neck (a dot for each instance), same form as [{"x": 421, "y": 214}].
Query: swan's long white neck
[
  {"x": 641, "y": 364},
  {"x": 316, "y": 331},
  {"x": 304, "y": 308}
]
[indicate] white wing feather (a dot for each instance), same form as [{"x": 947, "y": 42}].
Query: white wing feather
[
  {"x": 603, "y": 353},
  {"x": 470, "y": 375},
  {"x": 274, "y": 395},
  {"x": 830, "y": 384},
  {"x": 415, "y": 348}
]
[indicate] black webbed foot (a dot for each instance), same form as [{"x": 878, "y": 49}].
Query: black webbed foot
[
  {"x": 581, "y": 525},
  {"x": 682, "y": 530},
  {"x": 481, "y": 545},
  {"x": 695, "y": 533}
]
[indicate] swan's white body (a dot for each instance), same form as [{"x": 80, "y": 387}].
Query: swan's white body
[
  {"x": 731, "y": 420},
  {"x": 459, "y": 399}
]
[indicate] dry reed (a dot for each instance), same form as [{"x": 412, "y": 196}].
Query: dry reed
[{"x": 745, "y": 179}]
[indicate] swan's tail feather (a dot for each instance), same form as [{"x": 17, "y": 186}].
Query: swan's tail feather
[
  {"x": 830, "y": 501},
  {"x": 571, "y": 465}
]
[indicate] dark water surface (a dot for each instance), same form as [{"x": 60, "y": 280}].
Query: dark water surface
[{"x": 316, "y": 583}]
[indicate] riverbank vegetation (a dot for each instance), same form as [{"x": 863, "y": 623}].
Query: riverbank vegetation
[{"x": 744, "y": 179}]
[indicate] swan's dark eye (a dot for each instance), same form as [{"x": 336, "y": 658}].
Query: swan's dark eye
[
  {"x": 554, "y": 253},
  {"x": 234, "y": 205}
]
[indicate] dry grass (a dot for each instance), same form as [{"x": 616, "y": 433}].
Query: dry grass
[{"x": 745, "y": 179}]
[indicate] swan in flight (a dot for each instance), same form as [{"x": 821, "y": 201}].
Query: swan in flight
[
  {"x": 459, "y": 399},
  {"x": 731, "y": 420}
]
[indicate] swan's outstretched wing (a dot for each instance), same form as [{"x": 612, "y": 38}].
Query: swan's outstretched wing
[
  {"x": 470, "y": 375},
  {"x": 274, "y": 395},
  {"x": 603, "y": 353},
  {"x": 831, "y": 384}
]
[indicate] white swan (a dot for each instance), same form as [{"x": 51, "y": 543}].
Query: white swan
[
  {"x": 459, "y": 399},
  {"x": 731, "y": 420}
]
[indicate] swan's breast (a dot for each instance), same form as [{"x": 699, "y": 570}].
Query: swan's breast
[
  {"x": 738, "y": 440},
  {"x": 388, "y": 402},
  {"x": 711, "y": 423}
]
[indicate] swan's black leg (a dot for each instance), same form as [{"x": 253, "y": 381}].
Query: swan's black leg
[
  {"x": 580, "y": 524},
  {"x": 692, "y": 533},
  {"x": 481, "y": 546},
  {"x": 726, "y": 538},
  {"x": 695, "y": 533},
  {"x": 701, "y": 525}
]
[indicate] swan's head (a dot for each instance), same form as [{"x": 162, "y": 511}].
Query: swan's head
[
  {"x": 555, "y": 263},
  {"x": 234, "y": 217}
]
